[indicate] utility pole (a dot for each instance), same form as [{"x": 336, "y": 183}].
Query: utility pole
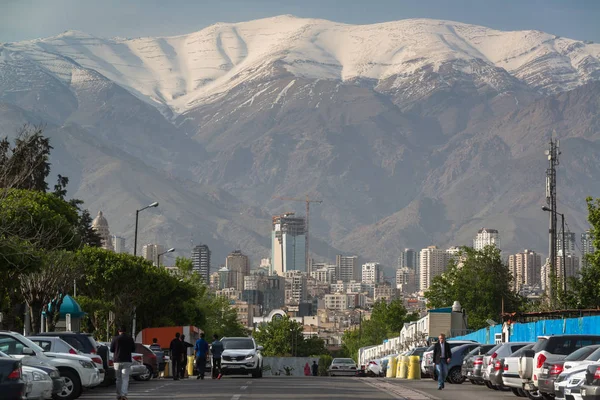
[
  {"x": 307, "y": 200},
  {"x": 553, "y": 152}
]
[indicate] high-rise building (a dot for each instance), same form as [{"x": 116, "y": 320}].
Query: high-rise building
[
  {"x": 571, "y": 265},
  {"x": 323, "y": 274},
  {"x": 151, "y": 251},
  {"x": 569, "y": 243},
  {"x": 587, "y": 246},
  {"x": 526, "y": 269},
  {"x": 201, "y": 261},
  {"x": 486, "y": 237},
  {"x": 274, "y": 294},
  {"x": 371, "y": 272},
  {"x": 288, "y": 244},
  {"x": 409, "y": 259},
  {"x": 347, "y": 268},
  {"x": 118, "y": 244},
  {"x": 100, "y": 225},
  {"x": 406, "y": 280},
  {"x": 432, "y": 262},
  {"x": 295, "y": 287},
  {"x": 238, "y": 265}
]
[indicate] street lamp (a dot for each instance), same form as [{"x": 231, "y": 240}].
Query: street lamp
[
  {"x": 137, "y": 212},
  {"x": 172, "y": 249},
  {"x": 564, "y": 256}
]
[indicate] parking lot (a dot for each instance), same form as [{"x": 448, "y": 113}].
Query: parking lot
[{"x": 428, "y": 388}]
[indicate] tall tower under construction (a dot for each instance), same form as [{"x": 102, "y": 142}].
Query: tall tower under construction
[{"x": 288, "y": 242}]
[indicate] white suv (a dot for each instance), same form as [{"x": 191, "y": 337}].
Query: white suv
[
  {"x": 241, "y": 356},
  {"x": 78, "y": 371}
]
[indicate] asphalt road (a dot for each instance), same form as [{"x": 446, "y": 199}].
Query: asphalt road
[{"x": 298, "y": 388}]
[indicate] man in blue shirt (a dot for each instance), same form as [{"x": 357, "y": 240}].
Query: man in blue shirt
[
  {"x": 201, "y": 349},
  {"x": 217, "y": 351}
]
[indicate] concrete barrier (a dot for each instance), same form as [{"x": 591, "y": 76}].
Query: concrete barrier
[
  {"x": 391, "y": 368},
  {"x": 414, "y": 368},
  {"x": 403, "y": 367}
]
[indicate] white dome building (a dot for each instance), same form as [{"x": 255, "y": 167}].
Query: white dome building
[{"x": 100, "y": 225}]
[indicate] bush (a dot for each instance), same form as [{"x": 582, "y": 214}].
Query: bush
[{"x": 324, "y": 363}]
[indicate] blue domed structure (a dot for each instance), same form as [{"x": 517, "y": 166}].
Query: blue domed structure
[{"x": 69, "y": 306}]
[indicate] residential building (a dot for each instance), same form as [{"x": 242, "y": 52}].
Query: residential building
[
  {"x": 337, "y": 301},
  {"x": 356, "y": 287},
  {"x": 406, "y": 280},
  {"x": 432, "y": 262},
  {"x": 347, "y": 268},
  {"x": 338, "y": 287},
  {"x": 295, "y": 287},
  {"x": 201, "y": 261},
  {"x": 225, "y": 280},
  {"x": 486, "y": 237},
  {"x": 274, "y": 294},
  {"x": 215, "y": 281},
  {"x": 246, "y": 312},
  {"x": 323, "y": 274},
  {"x": 229, "y": 293},
  {"x": 256, "y": 282},
  {"x": 587, "y": 246},
  {"x": 569, "y": 243},
  {"x": 253, "y": 297},
  {"x": 526, "y": 269},
  {"x": 118, "y": 244},
  {"x": 239, "y": 267},
  {"x": 409, "y": 258},
  {"x": 371, "y": 272},
  {"x": 385, "y": 293},
  {"x": 150, "y": 252},
  {"x": 100, "y": 225},
  {"x": 571, "y": 265},
  {"x": 288, "y": 244},
  {"x": 265, "y": 263}
]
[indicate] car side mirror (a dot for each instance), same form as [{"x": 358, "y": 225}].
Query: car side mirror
[
  {"x": 259, "y": 348},
  {"x": 28, "y": 352}
]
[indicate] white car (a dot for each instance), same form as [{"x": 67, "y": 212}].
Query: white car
[
  {"x": 38, "y": 382},
  {"x": 374, "y": 368},
  {"x": 51, "y": 344},
  {"x": 78, "y": 371},
  {"x": 569, "y": 384},
  {"x": 241, "y": 356},
  {"x": 342, "y": 366}
]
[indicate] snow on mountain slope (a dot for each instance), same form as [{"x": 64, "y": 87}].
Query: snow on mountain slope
[{"x": 185, "y": 71}]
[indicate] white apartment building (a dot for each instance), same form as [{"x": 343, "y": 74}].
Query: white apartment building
[
  {"x": 338, "y": 287},
  {"x": 151, "y": 251},
  {"x": 371, "y": 272},
  {"x": 118, "y": 244},
  {"x": 296, "y": 290},
  {"x": 486, "y": 237},
  {"x": 384, "y": 292},
  {"x": 407, "y": 280},
  {"x": 347, "y": 268},
  {"x": 526, "y": 269},
  {"x": 323, "y": 274},
  {"x": 338, "y": 301},
  {"x": 354, "y": 287},
  {"x": 432, "y": 262}
]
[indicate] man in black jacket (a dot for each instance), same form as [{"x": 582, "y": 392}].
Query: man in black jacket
[
  {"x": 441, "y": 358},
  {"x": 185, "y": 345},
  {"x": 122, "y": 346},
  {"x": 177, "y": 351}
]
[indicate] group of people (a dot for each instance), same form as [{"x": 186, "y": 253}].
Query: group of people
[{"x": 202, "y": 350}]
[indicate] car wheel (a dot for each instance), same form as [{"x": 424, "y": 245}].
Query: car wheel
[
  {"x": 456, "y": 376},
  {"x": 257, "y": 372},
  {"x": 488, "y": 384},
  {"x": 147, "y": 375},
  {"x": 534, "y": 394},
  {"x": 72, "y": 387}
]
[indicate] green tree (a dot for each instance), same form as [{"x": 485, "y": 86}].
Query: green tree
[
  {"x": 480, "y": 281},
  {"x": 284, "y": 338}
]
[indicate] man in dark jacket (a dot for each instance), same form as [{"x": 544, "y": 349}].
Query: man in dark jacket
[
  {"x": 441, "y": 358},
  {"x": 216, "y": 350},
  {"x": 185, "y": 345},
  {"x": 315, "y": 369},
  {"x": 177, "y": 351},
  {"x": 122, "y": 346}
]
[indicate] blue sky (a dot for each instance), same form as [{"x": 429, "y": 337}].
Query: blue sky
[{"x": 30, "y": 19}]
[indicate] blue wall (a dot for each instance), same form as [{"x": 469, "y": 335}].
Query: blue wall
[{"x": 529, "y": 332}]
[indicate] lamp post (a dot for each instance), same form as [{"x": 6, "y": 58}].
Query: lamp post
[
  {"x": 172, "y": 249},
  {"x": 564, "y": 256},
  {"x": 137, "y": 213}
]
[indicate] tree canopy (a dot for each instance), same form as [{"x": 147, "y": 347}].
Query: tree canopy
[{"x": 284, "y": 338}]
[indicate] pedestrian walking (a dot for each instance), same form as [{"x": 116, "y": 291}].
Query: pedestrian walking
[
  {"x": 306, "y": 369},
  {"x": 441, "y": 358},
  {"x": 177, "y": 350},
  {"x": 155, "y": 346},
  {"x": 183, "y": 365},
  {"x": 122, "y": 346},
  {"x": 201, "y": 349},
  {"x": 216, "y": 350},
  {"x": 315, "y": 369}
]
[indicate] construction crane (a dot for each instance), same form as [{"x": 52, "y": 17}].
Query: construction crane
[{"x": 307, "y": 200}]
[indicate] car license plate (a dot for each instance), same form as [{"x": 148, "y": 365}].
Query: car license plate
[
  {"x": 544, "y": 370},
  {"x": 556, "y": 387},
  {"x": 567, "y": 391},
  {"x": 583, "y": 392}
]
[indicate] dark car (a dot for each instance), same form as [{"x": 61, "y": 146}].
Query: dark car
[
  {"x": 454, "y": 368},
  {"x": 551, "y": 370},
  {"x": 590, "y": 390},
  {"x": 150, "y": 361},
  {"x": 473, "y": 363},
  {"x": 12, "y": 385}
]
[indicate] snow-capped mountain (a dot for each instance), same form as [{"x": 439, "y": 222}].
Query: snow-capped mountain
[{"x": 413, "y": 132}]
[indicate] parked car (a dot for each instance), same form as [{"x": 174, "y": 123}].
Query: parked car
[
  {"x": 374, "y": 368},
  {"x": 241, "y": 356},
  {"x": 417, "y": 351},
  {"x": 79, "y": 372},
  {"x": 492, "y": 374},
  {"x": 137, "y": 364},
  {"x": 510, "y": 373},
  {"x": 57, "y": 381},
  {"x": 149, "y": 360},
  {"x": 458, "y": 354},
  {"x": 38, "y": 383},
  {"x": 83, "y": 342},
  {"x": 342, "y": 366},
  {"x": 551, "y": 370},
  {"x": 473, "y": 362},
  {"x": 568, "y": 384},
  {"x": 590, "y": 390},
  {"x": 549, "y": 348},
  {"x": 12, "y": 385},
  {"x": 426, "y": 359}
]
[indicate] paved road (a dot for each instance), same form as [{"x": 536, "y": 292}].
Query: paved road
[{"x": 291, "y": 388}]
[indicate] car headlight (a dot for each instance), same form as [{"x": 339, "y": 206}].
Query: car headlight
[
  {"x": 86, "y": 364},
  {"x": 249, "y": 356},
  {"x": 54, "y": 374},
  {"x": 38, "y": 376}
]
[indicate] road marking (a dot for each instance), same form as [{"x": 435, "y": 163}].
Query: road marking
[
  {"x": 248, "y": 382},
  {"x": 398, "y": 390},
  {"x": 244, "y": 387},
  {"x": 236, "y": 397}
]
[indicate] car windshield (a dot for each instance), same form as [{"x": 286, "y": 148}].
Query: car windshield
[
  {"x": 493, "y": 349},
  {"x": 595, "y": 356},
  {"x": 237, "y": 344},
  {"x": 343, "y": 361},
  {"x": 474, "y": 352},
  {"x": 521, "y": 351},
  {"x": 582, "y": 353},
  {"x": 28, "y": 343}
]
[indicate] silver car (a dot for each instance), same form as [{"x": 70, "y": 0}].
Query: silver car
[{"x": 342, "y": 367}]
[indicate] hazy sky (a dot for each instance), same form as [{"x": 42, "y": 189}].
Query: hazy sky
[{"x": 30, "y": 19}]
